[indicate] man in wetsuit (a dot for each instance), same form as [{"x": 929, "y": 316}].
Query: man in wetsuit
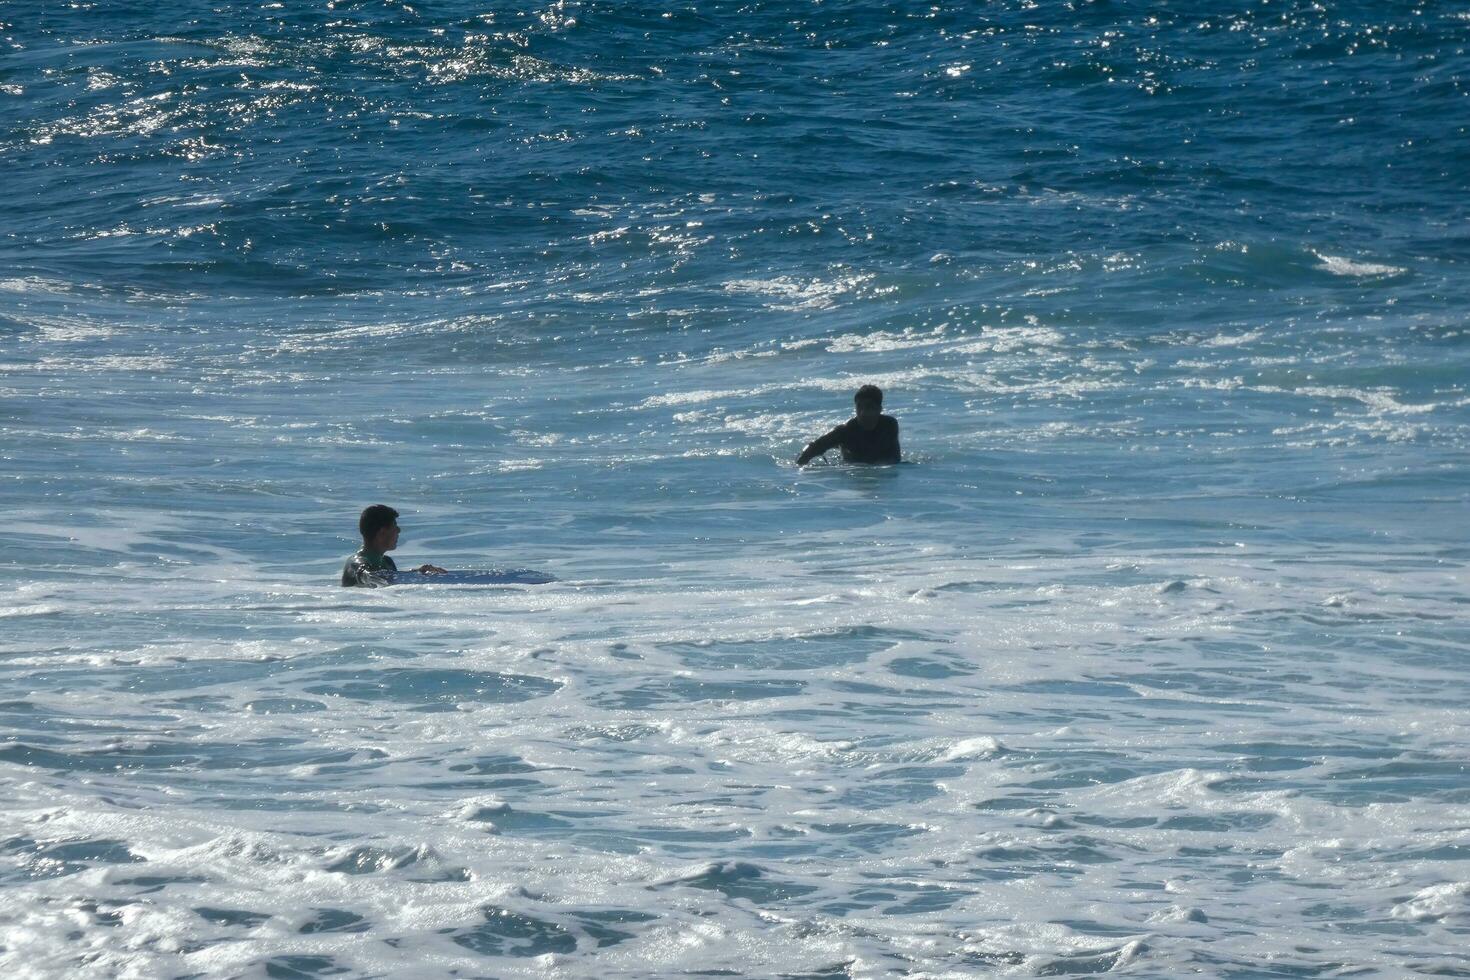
[
  {"x": 371, "y": 566},
  {"x": 867, "y": 437}
]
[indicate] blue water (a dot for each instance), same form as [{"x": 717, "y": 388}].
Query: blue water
[{"x": 1150, "y": 660}]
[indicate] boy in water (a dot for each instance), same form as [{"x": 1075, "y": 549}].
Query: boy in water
[
  {"x": 867, "y": 437},
  {"x": 371, "y": 566}
]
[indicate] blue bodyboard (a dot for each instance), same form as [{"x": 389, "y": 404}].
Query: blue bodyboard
[{"x": 493, "y": 576}]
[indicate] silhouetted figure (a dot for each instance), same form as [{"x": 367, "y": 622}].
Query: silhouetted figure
[
  {"x": 371, "y": 566},
  {"x": 867, "y": 437}
]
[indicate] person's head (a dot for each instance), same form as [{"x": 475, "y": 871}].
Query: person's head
[
  {"x": 868, "y": 403},
  {"x": 379, "y": 527}
]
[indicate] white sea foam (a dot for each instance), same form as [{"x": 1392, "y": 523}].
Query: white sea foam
[
  {"x": 791, "y": 294},
  {"x": 696, "y": 715},
  {"x": 1339, "y": 266},
  {"x": 980, "y": 747},
  {"x": 1436, "y": 903}
]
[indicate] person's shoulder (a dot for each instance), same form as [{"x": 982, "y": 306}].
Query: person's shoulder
[{"x": 888, "y": 421}]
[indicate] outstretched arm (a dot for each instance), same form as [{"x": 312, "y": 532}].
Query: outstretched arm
[{"x": 819, "y": 446}]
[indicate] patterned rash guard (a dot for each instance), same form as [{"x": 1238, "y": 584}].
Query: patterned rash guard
[
  {"x": 876, "y": 445},
  {"x": 368, "y": 569}
]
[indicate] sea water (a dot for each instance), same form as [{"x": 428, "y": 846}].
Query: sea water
[{"x": 1149, "y": 659}]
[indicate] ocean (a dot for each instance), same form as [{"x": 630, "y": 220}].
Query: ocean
[{"x": 1149, "y": 659}]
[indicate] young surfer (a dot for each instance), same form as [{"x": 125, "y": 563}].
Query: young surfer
[
  {"x": 867, "y": 437},
  {"x": 371, "y": 566}
]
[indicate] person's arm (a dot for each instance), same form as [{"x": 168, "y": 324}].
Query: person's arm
[
  {"x": 819, "y": 446},
  {"x": 421, "y": 570},
  {"x": 892, "y": 451}
]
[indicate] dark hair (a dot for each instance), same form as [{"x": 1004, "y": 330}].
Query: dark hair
[
  {"x": 374, "y": 519},
  {"x": 869, "y": 393}
]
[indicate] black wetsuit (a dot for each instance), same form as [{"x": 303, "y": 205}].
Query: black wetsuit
[
  {"x": 876, "y": 445},
  {"x": 369, "y": 569}
]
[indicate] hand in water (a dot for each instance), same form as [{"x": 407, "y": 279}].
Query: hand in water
[{"x": 431, "y": 570}]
